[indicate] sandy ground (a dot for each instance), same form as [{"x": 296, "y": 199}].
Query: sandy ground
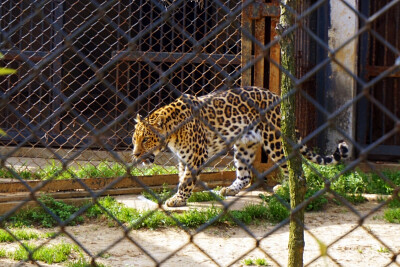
[{"x": 348, "y": 245}]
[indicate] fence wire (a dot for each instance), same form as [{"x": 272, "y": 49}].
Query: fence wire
[{"x": 86, "y": 69}]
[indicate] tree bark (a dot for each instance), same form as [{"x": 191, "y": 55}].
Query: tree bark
[{"x": 288, "y": 111}]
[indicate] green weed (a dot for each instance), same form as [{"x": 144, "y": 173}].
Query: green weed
[
  {"x": 392, "y": 215},
  {"x": 191, "y": 218},
  {"x": 257, "y": 262},
  {"x": 38, "y": 216},
  {"x": 351, "y": 182},
  {"x": 3, "y": 253},
  {"x": 154, "y": 170},
  {"x": 261, "y": 262},
  {"x": 160, "y": 196},
  {"x": 83, "y": 263},
  {"x": 205, "y": 196},
  {"x": 383, "y": 250},
  {"x": 21, "y": 234},
  {"x": 276, "y": 211},
  {"x": 318, "y": 203},
  {"x": 48, "y": 254},
  {"x": 355, "y": 198},
  {"x": 13, "y": 173},
  {"x": 54, "y": 171},
  {"x": 248, "y": 262},
  {"x": 314, "y": 205},
  {"x": 394, "y": 203},
  {"x": 105, "y": 169},
  {"x": 376, "y": 185}
]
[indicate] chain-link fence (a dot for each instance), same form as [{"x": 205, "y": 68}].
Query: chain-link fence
[{"x": 86, "y": 69}]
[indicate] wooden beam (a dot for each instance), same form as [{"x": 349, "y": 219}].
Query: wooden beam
[
  {"x": 259, "y": 34},
  {"x": 377, "y": 70},
  {"x": 246, "y": 48},
  {"x": 99, "y": 183},
  {"x": 275, "y": 55}
]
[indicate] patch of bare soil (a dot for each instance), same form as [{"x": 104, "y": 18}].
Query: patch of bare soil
[{"x": 337, "y": 227}]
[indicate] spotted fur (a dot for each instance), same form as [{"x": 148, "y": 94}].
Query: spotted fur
[{"x": 195, "y": 128}]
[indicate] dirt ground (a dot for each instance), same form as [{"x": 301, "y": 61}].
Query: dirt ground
[{"x": 336, "y": 227}]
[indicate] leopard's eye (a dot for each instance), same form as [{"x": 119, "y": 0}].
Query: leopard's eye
[{"x": 145, "y": 139}]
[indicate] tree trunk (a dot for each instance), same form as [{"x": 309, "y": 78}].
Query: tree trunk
[{"x": 296, "y": 181}]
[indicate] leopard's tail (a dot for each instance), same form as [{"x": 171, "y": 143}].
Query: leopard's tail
[{"x": 341, "y": 152}]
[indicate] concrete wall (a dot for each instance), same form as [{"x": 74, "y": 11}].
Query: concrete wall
[{"x": 342, "y": 86}]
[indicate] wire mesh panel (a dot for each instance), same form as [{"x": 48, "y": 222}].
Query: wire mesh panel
[
  {"x": 101, "y": 87},
  {"x": 98, "y": 43}
]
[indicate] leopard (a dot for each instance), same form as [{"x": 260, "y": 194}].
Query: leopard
[{"x": 196, "y": 128}]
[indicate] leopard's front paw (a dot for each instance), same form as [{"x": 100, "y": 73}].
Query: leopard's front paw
[
  {"x": 176, "y": 201},
  {"x": 226, "y": 191}
]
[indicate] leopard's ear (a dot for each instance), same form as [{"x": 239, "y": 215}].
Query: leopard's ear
[{"x": 138, "y": 118}]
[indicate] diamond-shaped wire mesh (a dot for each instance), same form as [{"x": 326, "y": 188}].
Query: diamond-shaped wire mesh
[{"x": 72, "y": 179}]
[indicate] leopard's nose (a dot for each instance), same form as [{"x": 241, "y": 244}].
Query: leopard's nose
[{"x": 136, "y": 154}]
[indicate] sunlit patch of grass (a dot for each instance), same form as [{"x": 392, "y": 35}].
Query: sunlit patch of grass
[
  {"x": 104, "y": 169},
  {"x": 38, "y": 216},
  {"x": 82, "y": 262},
  {"x": 392, "y": 215},
  {"x": 256, "y": 262},
  {"x": 49, "y": 254},
  {"x": 166, "y": 192},
  {"x": 21, "y": 234},
  {"x": 383, "y": 250}
]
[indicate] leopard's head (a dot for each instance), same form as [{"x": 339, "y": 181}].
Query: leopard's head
[{"x": 146, "y": 140}]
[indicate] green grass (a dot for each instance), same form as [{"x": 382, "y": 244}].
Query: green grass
[
  {"x": 3, "y": 253},
  {"x": 37, "y": 216},
  {"x": 24, "y": 174},
  {"x": 49, "y": 254},
  {"x": 394, "y": 203},
  {"x": 248, "y": 262},
  {"x": 83, "y": 263},
  {"x": 257, "y": 262},
  {"x": 351, "y": 185},
  {"x": 314, "y": 205},
  {"x": 103, "y": 170},
  {"x": 351, "y": 182},
  {"x": 392, "y": 215},
  {"x": 22, "y": 234},
  {"x": 163, "y": 194},
  {"x": 205, "y": 196},
  {"x": 271, "y": 211},
  {"x": 276, "y": 211},
  {"x": 158, "y": 195},
  {"x": 383, "y": 250}
]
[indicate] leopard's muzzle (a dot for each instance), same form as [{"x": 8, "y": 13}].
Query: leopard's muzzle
[{"x": 146, "y": 159}]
